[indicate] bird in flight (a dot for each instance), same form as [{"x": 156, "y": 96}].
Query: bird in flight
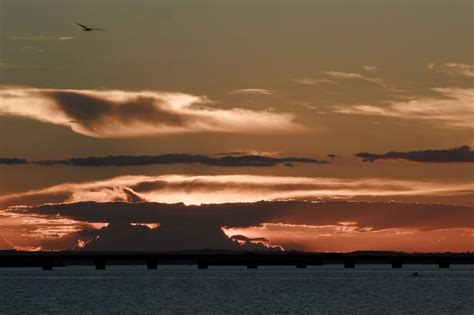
[{"x": 88, "y": 29}]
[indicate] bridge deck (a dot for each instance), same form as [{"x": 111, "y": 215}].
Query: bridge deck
[{"x": 48, "y": 260}]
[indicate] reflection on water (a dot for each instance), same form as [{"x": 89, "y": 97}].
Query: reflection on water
[{"x": 234, "y": 290}]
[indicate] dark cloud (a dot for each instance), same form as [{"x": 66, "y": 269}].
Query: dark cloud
[
  {"x": 248, "y": 239},
  {"x": 225, "y": 161},
  {"x": 95, "y": 111},
  {"x": 215, "y": 186},
  {"x": 378, "y": 215},
  {"x": 460, "y": 154},
  {"x": 121, "y": 235},
  {"x": 12, "y": 161}
]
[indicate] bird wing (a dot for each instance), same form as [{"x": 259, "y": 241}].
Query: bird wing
[{"x": 83, "y": 26}]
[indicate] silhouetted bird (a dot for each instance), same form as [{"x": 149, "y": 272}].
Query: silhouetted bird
[{"x": 88, "y": 29}]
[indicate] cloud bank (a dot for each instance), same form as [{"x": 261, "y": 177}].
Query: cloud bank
[
  {"x": 295, "y": 224},
  {"x": 368, "y": 214},
  {"x": 126, "y": 114},
  {"x": 461, "y": 154}
]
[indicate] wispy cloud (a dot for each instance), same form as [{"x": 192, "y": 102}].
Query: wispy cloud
[
  {"x": 355, "y": 76},
  {"x": 32, "y": 49},
  {"x": 10, "y": 65},
  {"x": 313, "y": 81},
  {"x": 7, "y": 65},
  {"x": 40, "y": 37},
  {"x": 252, "y": 91},
  {"x": 461, "y": 69},
  {"x": 461, "y": 154},
  {"x": 370, "y": 68},
  {"x": 122, "y": 114},
  {"x": 453, "y": 108}
]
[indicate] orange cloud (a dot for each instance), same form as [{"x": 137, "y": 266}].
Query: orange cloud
[
  {"x": 124, "y": 114},
  {"x": 351, "y": 237},
  {"x": 233, "y": 188},
  {"x": 23, "y": 230}
]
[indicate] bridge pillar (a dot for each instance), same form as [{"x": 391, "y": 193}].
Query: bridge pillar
[
  {"x": 443, "y": 265},
  {"x": 48, "y": 265},
  {"x": 100, "y": 263},
  {"x": 397, "y": 264},
  {"x": 202, "y": 264},
  {"x": 349, "y": 264},
  {"x": 152, "y": 263}
]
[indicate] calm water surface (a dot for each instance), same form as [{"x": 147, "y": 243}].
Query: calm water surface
[{"x": 236, "y": 290}]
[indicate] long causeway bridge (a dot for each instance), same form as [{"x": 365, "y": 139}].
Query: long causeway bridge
[{"x": 50, "y": 260}]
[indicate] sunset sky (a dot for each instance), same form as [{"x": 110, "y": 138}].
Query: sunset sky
[{"x": 311, "y": 125}]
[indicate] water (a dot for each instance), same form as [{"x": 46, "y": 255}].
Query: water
[{"x": 237, "y": 290}]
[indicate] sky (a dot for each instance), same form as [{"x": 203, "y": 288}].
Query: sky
[{"x": 254, "y": 124}]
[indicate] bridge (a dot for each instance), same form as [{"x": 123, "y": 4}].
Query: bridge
[{"x": 203, "y": 260}]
